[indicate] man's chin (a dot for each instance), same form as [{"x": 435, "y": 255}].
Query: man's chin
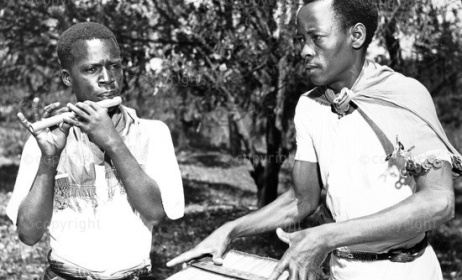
[{"x": 317, "y": 81}]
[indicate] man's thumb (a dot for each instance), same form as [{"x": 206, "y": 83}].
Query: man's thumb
[
  {"x": 217, "y": 256},
  {"x": 64, "y": 127},
  {"x": 217, "y": 260},
  {"x": 284, "y": 236}
]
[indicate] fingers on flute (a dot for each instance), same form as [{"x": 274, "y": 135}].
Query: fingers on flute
[
  {"x": 50, "y": 109},
  {"x": 35, "y": 108},
  {"x": 79, "y": 111},
  {"x": 70, "y": 121},
  {"x": 65, "y": 127},
  {"x": 60, "y": 111},
  {"x": 95, "y": 106},
  {"x": 24, "y": 121}
]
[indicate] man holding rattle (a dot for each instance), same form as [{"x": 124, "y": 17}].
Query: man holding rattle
[
  {"x": 384, "y": 193},
  {"x": 101, "y": 180}
]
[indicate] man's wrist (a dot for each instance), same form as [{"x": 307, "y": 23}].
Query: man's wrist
[
  {"x": 328, "y": 236},
  {"x": 114, "y": 145},
  {"x": 51, "y": 161},
  {"x": 231, "y": 229}
]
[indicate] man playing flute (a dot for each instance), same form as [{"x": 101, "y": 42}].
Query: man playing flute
[
  {"x": 102, "y": 179},
  {"x": 383, "y": 193}
]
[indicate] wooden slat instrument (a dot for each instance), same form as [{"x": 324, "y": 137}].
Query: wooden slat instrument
[{"x": 236, "y": 265}]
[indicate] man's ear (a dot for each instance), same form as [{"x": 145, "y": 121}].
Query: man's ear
[
  {"x": 358, "y": 35},
  {"x": 66, "y": 77}
]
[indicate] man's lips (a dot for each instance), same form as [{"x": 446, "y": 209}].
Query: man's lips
[
  {"x": 108, "y": 94},
  {"x": 309, "y": 66}
]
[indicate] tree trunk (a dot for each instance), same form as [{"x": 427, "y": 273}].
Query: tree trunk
[
  {"x": 392, "y": 44},
  {"x": 234, "y": 139},
  {"x": 266, "y": 169}
]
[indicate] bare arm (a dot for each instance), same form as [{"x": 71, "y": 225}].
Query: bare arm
[
  {"x": 432, "y": 205},
  {"x": 35, "y": 211},
  {"x": 143, "y": 191},
  {"x": 285, "y": 210},
  {"x": 289, "y": 208}
]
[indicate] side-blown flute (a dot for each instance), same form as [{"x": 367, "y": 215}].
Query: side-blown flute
[{"x": 51, "y": 121}]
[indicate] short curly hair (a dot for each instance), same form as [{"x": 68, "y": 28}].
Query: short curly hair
[
  {"x": 80, "y": 31},
  {"x": 352, "y": 12}
]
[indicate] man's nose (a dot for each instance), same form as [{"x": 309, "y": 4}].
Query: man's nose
[
  {"x": 106, "y": 77},
  {"x": 307, "y": 50}
]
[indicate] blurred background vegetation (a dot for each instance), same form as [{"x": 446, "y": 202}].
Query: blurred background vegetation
[{"x": 224, "y": 76}]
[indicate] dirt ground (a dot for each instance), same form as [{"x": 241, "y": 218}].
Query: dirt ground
[{"x": 217, "y": 189}]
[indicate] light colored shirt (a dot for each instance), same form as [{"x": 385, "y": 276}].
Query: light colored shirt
[
  {"x": 111, "y": 237},
  {"x": 359, "y": 181}
]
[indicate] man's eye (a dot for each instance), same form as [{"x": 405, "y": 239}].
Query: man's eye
[
  {"x": 299, "y": 41},
  {"x": 91, "y": 70},
  {"x": 115, "y": 66},
  {"x": 316, "y": 37}
]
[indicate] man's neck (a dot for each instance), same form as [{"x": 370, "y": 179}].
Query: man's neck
[{"x": 350, "y": 77}]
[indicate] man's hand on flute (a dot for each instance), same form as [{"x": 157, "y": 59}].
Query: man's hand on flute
[
  {"x": 95, "y": 121},
  {"x": 52, "y": 140}
]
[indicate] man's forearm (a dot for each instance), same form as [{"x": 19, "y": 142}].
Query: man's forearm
[
  {"x": 141, "y": 189},
  {"x": 36, "y": 210},
  {"x": 284, "y": 211},
  {"x": 288, "y": 208},
  {"x": 417, "y": 214}
]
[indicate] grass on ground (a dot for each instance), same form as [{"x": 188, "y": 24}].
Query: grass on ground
[{"x": 215, "y": 192}]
